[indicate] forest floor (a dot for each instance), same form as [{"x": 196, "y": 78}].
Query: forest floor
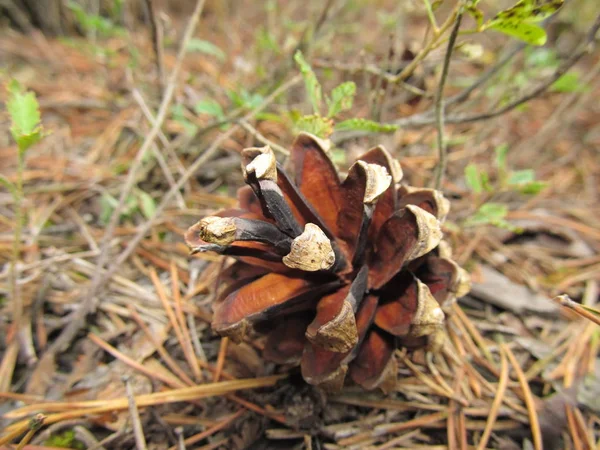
[{"x": 107, "y": 349}]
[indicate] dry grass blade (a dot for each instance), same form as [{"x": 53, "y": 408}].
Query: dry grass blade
[
  {"x": 462, "y": 428},
  {"x": 221, "y": 359},
  {"x": 157, "y": 398},
  {"x": 212, "y": 430},
  {"x": 257, "y": 409},
  {"x": 381, "y": 430},
  {"x": 34, "y": 425},
  {"x": 187, "y": 340},
  {"x": 71, "y": 410},
  {"x": 438, "y": 389},
  {"x": 421, "y": 421},
  {"x": 573, "y": 429},
  {"x": 587, "y": 312},
  {"x": 134, "y": 414},
  {"x": 169, "y": 381},
  {"x": 8, "y": 363},
  {"x": 477, "y": 337},
  {"x": 160, "y": 348},
  {"x": 588, "y": 435},
  {"x": 502, "y": 383},
  {"x": 392, "y": 443},
  {"x": 451, "y": 427},
  {"x": 529, "y": 400},
  {"x": 160, "y": 290}
]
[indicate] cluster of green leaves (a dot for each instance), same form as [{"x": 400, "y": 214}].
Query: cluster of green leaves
[
  {"x": 206, "y": 48},
  {"x": 240, "y": 98},
  {"x": 24, "y": 113},
  {"x": 506, "y": 180},
  {"x": 66, "y": 439},
  {"x": 25, "y": 128},
  {"x": 95, "y": 23},
  {"x": 542, "y": 60},
  {"x": 138, "y": 202},
  {"x": 339, "y": 100},
  {"x": 519, "y": 21}
]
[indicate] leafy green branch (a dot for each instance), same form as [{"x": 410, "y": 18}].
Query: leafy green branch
[
  {"x": 340, "y": 99},
  {"x": 506, "y": 180}
]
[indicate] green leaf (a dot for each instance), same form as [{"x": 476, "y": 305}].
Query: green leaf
[
  {"x": 209, "y": 107},
  {"x": 485, "y": 181},
  {"x": 266, "y": 41},
  {"x": 528, "y": 32},
  {"x": 490, "y": 214},
  {"x": 533, "y": 188},
  {"x": 147, "y": 204},
  {"x": 24, "y": 114},
  {"x": 529, "y": 11},
  {"x": 501, "y": 152},
  {"x": 520, "y": 177},
  {"x": 342, "y": 98},
  {"x": 107, "y": 205},
  {"x": 473, "y": 179},
  {"x": 315, "y": 124},
  {"x": 179, "y": 115},
  {"x": 365, "y": 125},
  {"x": 242, "y": 98},
  {"x": 208, "y": 48},
  {"x": 519, "y": 20},
  {"x": 494, "y": 210},
  {"x": 93, "y": 22},
  {"x": 313, "y": 88},
  {"x": 569, "y": 82}
]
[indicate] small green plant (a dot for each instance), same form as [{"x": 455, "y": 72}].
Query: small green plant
[
  {"x": 65, "y": 439},
  {"x": 138, "y": 202},
  {"x": 26, "y": 130},
  {"x": 340, "y": 99},
  {"x": 180, "y": 115},
  {"x": 94, "y": 23},
  {"x": 210, "y": 107},
  {"x": 506, "y": 180}
]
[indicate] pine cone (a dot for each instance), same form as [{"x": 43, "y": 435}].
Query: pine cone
[{"x": 337, "y": 274}]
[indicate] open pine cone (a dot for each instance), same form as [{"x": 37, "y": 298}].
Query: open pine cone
[{"x": 337, "y": 274}]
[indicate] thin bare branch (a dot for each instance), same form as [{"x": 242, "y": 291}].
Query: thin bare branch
[
  {"x": 439, "y": 104},
  {"x": 157, "y": 42},
  {"x": 138, "y": 430},
  {"x": 89, "y": 300}
]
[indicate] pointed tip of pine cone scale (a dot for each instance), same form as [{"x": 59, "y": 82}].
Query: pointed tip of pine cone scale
[
  {"x": 236, "y": 332},
  {"x": 308, "y": 138},
  {"x": 216, "y": 230},
  {"x": 377, "y": 181},
  {"x": 379, "y": 155},
  {"x": 337, "y": 335},
  {"x": 311, "y": 251},
  {"x": 429, "y": 316},
  {"x": 429, "y": 232},
  {"x": 259, "y": 161}
]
